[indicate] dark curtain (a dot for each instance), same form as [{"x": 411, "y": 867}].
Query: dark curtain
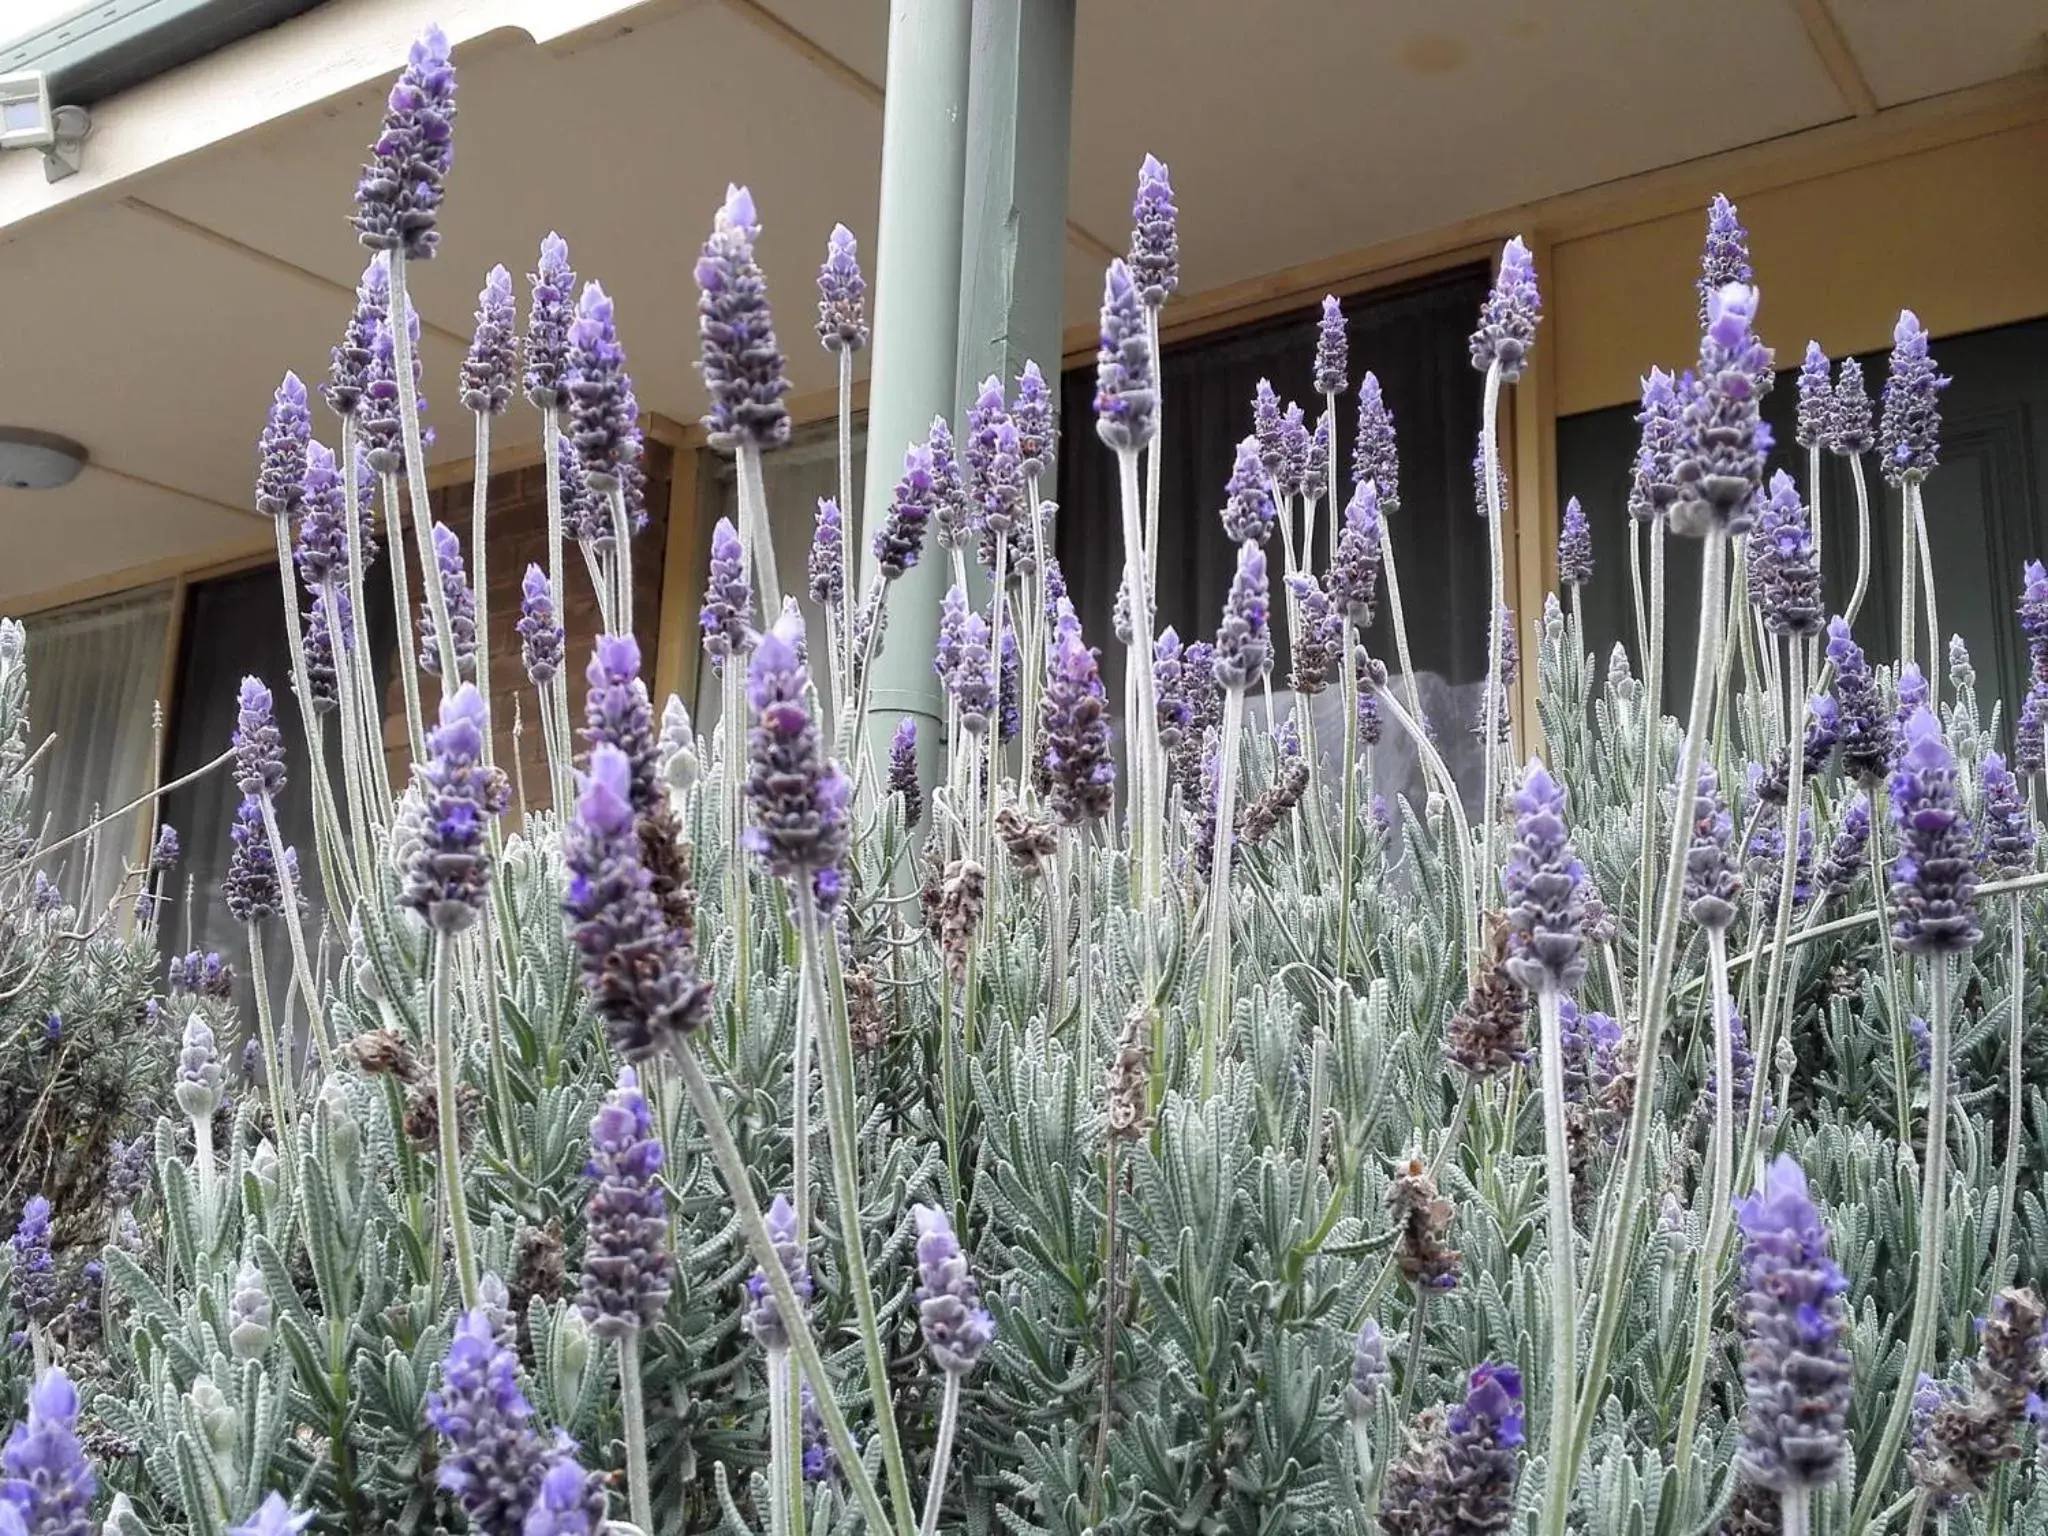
[{"x": 234, "y": 627}]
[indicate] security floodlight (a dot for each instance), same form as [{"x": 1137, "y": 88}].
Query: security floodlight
[{"x": 26, "y": 121}]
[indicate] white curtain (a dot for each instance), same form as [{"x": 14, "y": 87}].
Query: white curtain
[{"x": 94, "y": 671}]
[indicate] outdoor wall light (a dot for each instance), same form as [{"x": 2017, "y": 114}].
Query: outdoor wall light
[
  {"x": 37, "y": 461},
  {"x": 28, "y": 121}
]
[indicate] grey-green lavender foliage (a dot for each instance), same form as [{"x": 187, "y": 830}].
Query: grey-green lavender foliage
[{"x": 1177, "y": 1279}]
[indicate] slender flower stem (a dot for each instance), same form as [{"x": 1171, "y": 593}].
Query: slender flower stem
[
  {"x": 447, "y": 1113},
  {"x": 1033, "y": 643},
  {"x": 633, "y": 1408},
  {"x": 564, "y": 789},
  {"x": 206, "y": 1171},
  {"x": 401, "y": 601},
  {"x": 376, "y": 777},
  {"x": 479, "y": 568},
  {"x": 2015, "y": 1064},
  {"x": 1143, "y": 747},
  {"x": 1936, "y": 654},
  {"x": 46, "y": 849},
  {"x": 1409, "y": 683},
  {"x": 1719, "y": 1209},
  {"x": 733, "y": 730},
  {"x": 1612, "y": 1285},
  {"x": 1653, "y": 724},
  {"x": 275, "y": 1072},
  {"x": 1635, "y": 581},
  {"x": 1933, "y": 1245},
  {"x": 1152, "y": 457},
  {"x": 1797, "y": 1504},
  {"x": 355, "y": 790},
  {"x": 622, "y": 558},
  {"x": 1433, "y": 766},
  {"x": 1778, "y": 987},
  {"x": 754, "y": 529},
  {"x": 846, "y": 507},
  {"x": 1418, "y": 1331},
  {"x": 1813, "y": 460},
  {"x": 302, "y": 964},
  {"x": 1347, "y": 804},
  {"x": 416, "y": 474},
  {"x": 942, "y": 1455},
  {"x": 1862, "y": 587},
  {"x": 1909, "y": 547},
  {"x": 1564, "y": 1309},
  {"x": 1902, "y": 1087},
  {"x": 1216, "y": 1015},
  {"x": 1489, "y": 748}
]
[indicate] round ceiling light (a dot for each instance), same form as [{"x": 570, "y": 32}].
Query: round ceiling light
[{"x": 37, "y": 461}]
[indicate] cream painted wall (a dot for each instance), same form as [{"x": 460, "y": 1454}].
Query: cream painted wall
[{"x": 1958, "y": 234}]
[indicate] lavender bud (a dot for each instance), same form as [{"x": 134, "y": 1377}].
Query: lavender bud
[
  {"x": 449, "y": 874},
  {"x": 323, "y": 684},
  {"x": 2008, "y": 829},
  {"x": 1846, "y": 859},
  {"x": 539, "y": 627},
  {"x": 1375, "y": 456},
  {"x": 165, "y": 852},
  {"x": 1244, "y": 649},
  {"x": 828, "y": 557},
  {"x": 281, "y": 451},
  {"x": 460, "y": 604},
  {"x": 198, "y": 1085},
  {"x": 1849, "y": 414},
  {"x": 1315, "y": 467},
  {"x": 2031, "y": 729},
  {"x": 349, "y": 371},
  {"x": 762, "y": 1316},
  {"x": 963, "y": 662},
  {"x": 603, "y": 418},
  {"x": 1155, "y": 240},
  {"x": 1248, "y": 515},
  {"x": 1079, "y": 772},
  {"x": 488, "y": 369},
  {"x": 1369, "y": 1371},
  {"x": 249, "y": 1314},
  {"x": 821, "y": 1462},
  {"x": 250, "y": 886},
  {"x": 1934, "y": 879},
  {"x": 842, "y": 295},
  {"x": 800, "y": 829},
  {"x": 728, "y": 611},
  {"x": 377, "y": 415},
  {"x": 1784, "y": 568},
  {"x": 1866, "y": 741},
  {"x": 956, "y": 1327},
  {"x": 1742, "y": 1062},
  {"x": 33, "y": 1276},
  {"x": 1031, "y": 414},
  {"x": 1909, "y": 435},
  {"x": 492, "y": 1454},
  {"x": 1353, "y": 579},
  {"x": 1816, "y": 400},
  {"x": 1456, "y": 1475},
  {"x": 949, "y": 494},
  {"x": 548, "y": 318},
  {"x": 1724, "y": 438},
  {"x": 130, "y": 1165},
  {"x": 1318, "y": 648},
  {"x": 1725, "y": 257},
  {"x": 398, "y": 198},
  {"x": 258, "y": 744},
  {"x": 49, "y": 1483},
  {"x": 1654, "y": 488},
  {"x": 626, "y": 1262},
  {"x": 202, "y": 975},
  {"x": 1507, "y": 320},
  {"x": 737, "y": 355},
  {"x": 900, "y": 539},
  {"x": 1795, "y": 1367},
  {"x": 1333, "y": 350},
  {"x": 321, "y": 547},
  {"x": 903, "y": 772},
  {"x": 1574, "y": 545},
  {"x": 1126, "y": 394},
  {"x": 1712, "y": 882},
  {"x": 1544, "y": 883}
]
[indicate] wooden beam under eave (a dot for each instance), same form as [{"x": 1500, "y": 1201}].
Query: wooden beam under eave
[{"x": 1832, "y": 48}]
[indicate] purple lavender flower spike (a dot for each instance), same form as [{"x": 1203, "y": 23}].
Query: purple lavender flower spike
[
  {"x": 398, "y": 197},
  {"x": 1911, "y": 688},
  {"x": 641, "y": 980},
  {"x": 1909, "y": 434},
  {"x": 949, "y": 492},
  {"x": 962, "y": 660},
  {"x": 349, "y": 370},
  {"x": 1544, "y": 884},
  {"x": 449, "y": 874},
  {"x": 737, "y": 355},
  {"x": 1369, "y": 1371},
  {"x": 548, "y": 317},
  {"x": 1724, "y": 259},
  {"x": 1375, "y": 456},
  {"x": 2028, "y": 730},
  {"x": 1846, "y": 858},
  {"x": 1712, "y": 882},
  {"x": 761, "y": 1318},
  {"x": 1816, "y": 400},
  {"x": 949, "y": 1312},
  {"x": 1291, "y": 477},
  {"x": 1126, "y": 395},
  {"x": 487, "y": 372},
  {"x": 34, "y": 1274},
  {"x": 1456, "y": 1476},
  {"x": 602, "y": 424},
  {"x": 281, "y": 451},
  {"x": 1353, "y": 580},
  {"x": 1031, "y": 414},
  {"x": 1244, "y": 649},
  {"x": 1318, "y": 648},
  {"x": 828, "y": 557},
  {"x": 1795, "y": 1368},
  {"x": 1315, "y": 469},
  {"x": 539, "y": 627},
  {"x": 1866, "y": 728},
  {"x": 317, "y": 647},
  {"x": 1786, "y": 569},
  {"x": 1155, "y": 238},
  {"x": 1723, "y": 437},
  {"x": 321, "y": 548},
  {"x": 1742, "y": 1070},
  {"x": 1934, "y": 879},
  {"x": 903, "y": 771},
  {"x": 1510, "y": 652},
  {"x": 258, "y": 744},
  {"x": 727, "y": 615},
  {"x": 166, "y": 851},
  {"x": 204, "y": 975},
  {"x": 1080, "y": 774},
  {"x": 1248, "y": 514},
  {"x": 274, "y": 1517},
  {"x": 2008, "y": 829},
  {"x": 46, "y": 1478},
  {"x": 492, "y": 1454},
  {"x": 626, "y": 1265},
  {"x": 1507, "y": 320},
  {"x": 1269, "y": 427},
  {"x": 460, "y": 603},
  {"x": 1009, "y": 686},
  {"x": 2033, "y": 605},
  {"x": 571, "y": 1501},
  {"x": 800, "y": 829},
  {"x": 617, "y": 711},
  {"x": 1169, "y": 677},
  {"x": 900, "y": 539},
  {"x": 821, "y": 1462},
  {"x": 1333, "y": 349},
  {"x": 1654, "y": 487},
  {"x": 842, "y": 295},
  {"x": 377, "y": 418},
  {"x": 1849, "y": 415}
]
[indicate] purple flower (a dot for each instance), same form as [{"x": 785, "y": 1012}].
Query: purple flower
[
  {"x": 799, "y": 797},
  {"x": 626, "y": 1262},
  {"x": 1816, "y": 400},
  {"x": 1318, "y": 646},
  {"x": 1009, "y": 686},
  {"x": 1654, "y": 487},
  {"x": 258, "y": 745},
  {"x": 201, "y": 975},
  {"x": 548, "y": 318},
  {"x": 349, "y": 370},
  {"x": 273, "y": 1517},
  {"x": 488, "y": 369},
  {"x": 828, "y": 557},
  {"x": 1544, "y": 884},
  {"x": 571, "y": 1501},
  {"x": 1291, "y": 476},
  {"x": 1333, "y": 350},
  {"x": 900, "y": 539},
  {"x": 821, "y": 1462},
  {"x": 603, "y": 420},
  {"x": 1795, "y": 1367},
  {"x": 1315, "y": 469},
  {"x": 165, "y": 852},
  {"x": 1909, "y": 435},
  {"x": 1375, "y": 456},
  {"x": 949, "y": 1312},
  {"x": 1742, "y": 1062},
  {"x": 737, "y": 355},
  {"x": 34, "y": 1276},
  {"x": 460, "y": 603},
  {"x": 1849, "y": 418},
  {"x": 377, "y": 416},
  {"x": 903, "y": 771},
  {"x": 1248, "y": 514},
  {"x": 1723, "y": 437},
  {"x": 45, "y": 1477},
  {"x": 1168, "y": 681},
  {"x": 1574, "y": 545},
  {"x": 842, "y": 295},
  {"x": 1244, "y": 649},
  {"x": 492, "y": 1455},
  {"x": 1591, "y": 1047},
  {"x": 728, "y": 611},
  {"x": 949, "y": 493},
  {"x": 1846, "y": 857},
  {"x": 398, "y": 198},
  {"x": 1510, "y": 652},
  {"x": 539, "y": 627},
  {"x": 130, "y": 1164},
  {"x": 2008, "y": 829},
  {"x": 1126, "y": 395},
  {"x": 761, "y": 1318},
  {"x": 317, "y": 647},
  {"x": 449, "y": 873},
  {"x": 321, "y": 549},
  {"x": 1934, "y": 879},
  {"x": 963, "y": 662},
  {"x": 1507, "y": 320},
  {"x": 2028, "y": 731},
  {"x": 1725, "y": 257},
  {"x": 1354, "y": 574},
  {"x": 1456, "y": 1476},
  {"x": 250, "y": 886},
  {"x": 1155, "y": 240},
  {"x": 1784, "y": 570},
  {"x": 2033, "y": 605},
  {"x": 1368, "y": 1371},
  {"x": 1866, "y": 728},
  {"x": 1031, "y": 414},
  {"x": 1080, "y": 774},
  {"x": 1712, "y": 882},
  {"x": 641, "y": 979},
  {"x": 281, "y": 451},
  {"x": 994, "y": 470}
]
